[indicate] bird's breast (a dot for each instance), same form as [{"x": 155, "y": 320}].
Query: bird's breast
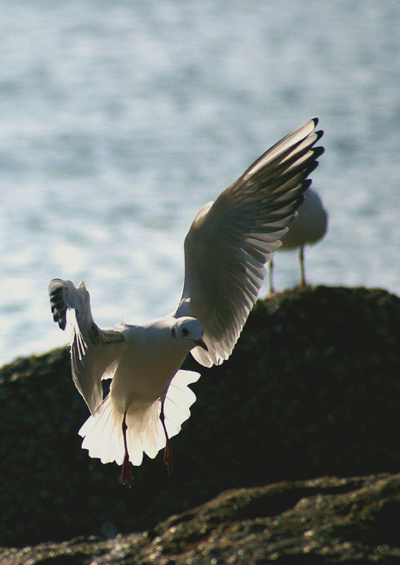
[{"x": 144, "y": 372}]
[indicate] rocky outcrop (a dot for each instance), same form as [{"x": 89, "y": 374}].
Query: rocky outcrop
[
  {"x": 311, "y": 390},
  {"x": 329, "y": 520}
]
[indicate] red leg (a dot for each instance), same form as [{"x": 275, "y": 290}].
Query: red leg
[
  {"x": 167, "y": 450},
  {"x": 126, "y": 466}
]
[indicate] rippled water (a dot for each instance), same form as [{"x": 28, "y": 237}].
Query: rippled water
[{"x": 119, "y": 120}]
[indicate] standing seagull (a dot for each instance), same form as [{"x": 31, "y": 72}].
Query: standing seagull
[
  {"x": 309, "y": 227},
  {"x": 226, "y": 249}
]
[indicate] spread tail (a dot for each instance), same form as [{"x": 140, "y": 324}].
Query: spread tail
[{"x": 102, "y": 432}]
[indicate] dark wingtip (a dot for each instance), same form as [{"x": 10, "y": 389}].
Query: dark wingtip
[
  {"x": 318, "y": 151},
  {"x": 62, "y": 322},
  {"x": 58, "y": 308},
  {"x": 59, "y": 317}
]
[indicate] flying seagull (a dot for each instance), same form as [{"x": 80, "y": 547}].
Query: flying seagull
[
  {"x": 226, "y": 248},
  {"x": 309, "y": 227}
]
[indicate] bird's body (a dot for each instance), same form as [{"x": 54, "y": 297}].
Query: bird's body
[
  {"x": 226, "y": 248},
  {"x": 308, "y": 228},
  {"x": 149, "y": 359}
]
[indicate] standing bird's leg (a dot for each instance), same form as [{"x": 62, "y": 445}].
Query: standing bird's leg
[
  {"x": 271, "y": 276},
  {"x": 167, "y": 450},
  {"x": 126, "y": 467},
  {"x": 303, "y": 278}
]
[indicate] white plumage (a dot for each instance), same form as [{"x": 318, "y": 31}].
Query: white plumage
[
  {"x": 103, "y": 438},
  {"x": 309, "y": 227},
  {"x": 226, "y": 249}
]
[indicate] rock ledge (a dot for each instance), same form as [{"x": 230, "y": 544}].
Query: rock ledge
[{"x": 328, "y": 520}]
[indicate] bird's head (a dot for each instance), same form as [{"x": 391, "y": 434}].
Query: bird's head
[{"x": 189, "y": 330}]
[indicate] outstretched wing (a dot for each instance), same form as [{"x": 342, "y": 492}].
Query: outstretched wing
[
  {"x": 231, "y": 239},
  {"x": 94, "y": 352}
]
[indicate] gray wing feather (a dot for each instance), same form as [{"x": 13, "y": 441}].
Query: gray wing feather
[{"x": 232, "y": 239}]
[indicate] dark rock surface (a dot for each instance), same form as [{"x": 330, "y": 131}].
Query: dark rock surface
[
  {"x": 311, "y": 390},
  {"x": 328, "y": 520}
]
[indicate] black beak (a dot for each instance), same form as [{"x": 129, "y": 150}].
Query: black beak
[{"x": 200, "y": 343}]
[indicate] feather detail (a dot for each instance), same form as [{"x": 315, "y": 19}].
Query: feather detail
[{"x": 102, "y": 432}]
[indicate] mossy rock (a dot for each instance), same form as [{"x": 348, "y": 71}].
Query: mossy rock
[{"x": 312, "y": 389}]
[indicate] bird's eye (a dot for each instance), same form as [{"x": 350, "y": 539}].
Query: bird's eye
[{"x": 185, "y": 331}]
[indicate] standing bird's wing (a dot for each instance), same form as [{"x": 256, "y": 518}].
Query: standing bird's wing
[
  {"x": 231, "y": 239},
  {"x": 94, "y": 352}
]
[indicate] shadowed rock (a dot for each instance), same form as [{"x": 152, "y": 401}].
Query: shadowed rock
[
  {"x": 312, "y": 389},
  {"x": 327, "y": 520}
]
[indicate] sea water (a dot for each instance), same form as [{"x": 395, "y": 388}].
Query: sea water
[{"x": 119, "y": 120}]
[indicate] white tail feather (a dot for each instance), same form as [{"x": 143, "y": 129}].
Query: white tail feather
[{"x": 102, "y": 432}]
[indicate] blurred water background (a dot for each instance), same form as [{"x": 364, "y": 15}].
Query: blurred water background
[{"x": 119, "y": 120}]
